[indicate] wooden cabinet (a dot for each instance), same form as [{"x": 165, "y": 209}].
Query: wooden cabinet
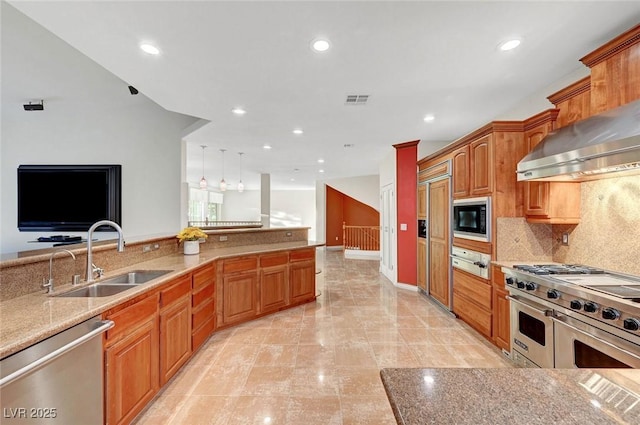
[
  {"x": 274, "y": 282},
  {"x": 422, "y": 201},
  {"x": 302, "y": 275},
  {"x": 501, "y": 311},
  {"x": 422, "y": 264},
  {"x": 472, "y": 301},
  {"x": 438, "y": 241},
  {"x": 549, "y": 202},
  {"x": 203, "y": 318},
  {"x": 460, "y": 162},
  {"x": 175, "y": 327},
  {"x": 131, "y": 359},
  {"x": 239, "y": 289},
  {"x": 473, "y": 168}
]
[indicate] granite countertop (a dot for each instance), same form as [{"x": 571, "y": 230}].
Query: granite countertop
[
  {"x": 513, "y": 396},
  {"x": 31, "y": 318}
]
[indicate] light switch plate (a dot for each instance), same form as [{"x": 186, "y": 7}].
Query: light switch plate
[{"x": 403, "y": 227}]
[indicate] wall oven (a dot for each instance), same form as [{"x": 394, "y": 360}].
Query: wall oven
[
  {"x": 472, "y": 219},
  {"x": 422, "y": 228},
  {"x": 532, "y": 340}
]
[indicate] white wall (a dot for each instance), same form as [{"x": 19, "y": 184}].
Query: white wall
[
  {"x": 89, "y": 118},
  {"x": 289, "y": 208}
]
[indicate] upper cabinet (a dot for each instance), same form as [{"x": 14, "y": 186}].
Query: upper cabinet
[
  {"x": 422, "y": 202},
  {"x": 548, "y": 202},
  {"x": 472, "y": 168}
]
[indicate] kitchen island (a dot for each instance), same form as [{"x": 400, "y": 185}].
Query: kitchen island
[{"x": 513, "y": 396}]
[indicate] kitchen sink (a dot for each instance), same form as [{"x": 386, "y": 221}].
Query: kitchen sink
[
  {"x": 136, "y": 277},
  {"x": 98, "y": 290}
]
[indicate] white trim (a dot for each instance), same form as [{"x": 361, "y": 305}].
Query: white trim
[
  {"x": 334, "y": 248},
  {"x": 406, "y": 286},
  {"x": 357, "y": 254}
]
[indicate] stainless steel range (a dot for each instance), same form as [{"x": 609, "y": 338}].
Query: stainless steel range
[{"x": 573, "y": 316}]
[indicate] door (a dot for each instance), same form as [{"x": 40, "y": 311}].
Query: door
[
  {"x": 388, "y": 217},
  {"x": 438, "y": 237}
]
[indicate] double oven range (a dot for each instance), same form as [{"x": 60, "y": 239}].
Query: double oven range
[{"x": 568, "y": 316}]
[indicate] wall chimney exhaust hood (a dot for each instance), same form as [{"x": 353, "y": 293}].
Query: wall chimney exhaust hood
[{"x": 605, "y": 145}]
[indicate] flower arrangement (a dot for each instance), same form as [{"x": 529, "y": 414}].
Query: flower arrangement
[{"x": 191, "y": 234}]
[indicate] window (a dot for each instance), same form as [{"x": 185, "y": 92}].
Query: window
[{"x": 204, "y": 206}]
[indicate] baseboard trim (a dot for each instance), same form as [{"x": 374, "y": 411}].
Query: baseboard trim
[
  {"x": 356, "y": 254},
  {"x": 406, "y": 286}
]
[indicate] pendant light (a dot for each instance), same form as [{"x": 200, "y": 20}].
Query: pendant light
[
  {"x": 223, "y": 183},
  {"x": 203, "y": 181},
  {"x": 240, "y": 184}
]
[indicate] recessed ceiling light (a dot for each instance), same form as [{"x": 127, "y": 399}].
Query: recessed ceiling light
[
  {"x": 509, "y": 45},
  {"x": 298, "y": 131},
  {"x": 321, "y": 171},
  {"x": 429, "y": 118},
  {"x": 238, "y": 111},
  {"x": 151, "y": 49},
  {"x": 267, "y": 147},
  {"x": 292, "y": 179},
  {"x": 321, "y": 161},
  {"x": 320, "y": 45}
]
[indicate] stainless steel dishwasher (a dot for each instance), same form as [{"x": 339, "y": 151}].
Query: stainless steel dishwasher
[{"x": 58, "y": 380}]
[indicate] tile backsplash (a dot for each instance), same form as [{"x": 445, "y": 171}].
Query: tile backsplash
[
  {"x": 518, "y": 240},
  {"x": 608, "y": 235}
]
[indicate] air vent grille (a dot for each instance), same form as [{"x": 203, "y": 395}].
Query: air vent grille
[{"x": 356, "y": 99}]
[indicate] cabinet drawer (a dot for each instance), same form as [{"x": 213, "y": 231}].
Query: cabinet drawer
[
  {"x": 203, "y": 313},
  {"x": 204, "y": 276},
  {"x": 274, "y": 260},
  {"x": 200, "y": 335},
  {"x": 302, "y": 254},
  {"x": 202, "y": 295},
  {"x": 177, "y": 290},
  {"x": 474, "y": 288},
  {"x": 240, "y": 265},
  {"x": 133, "y": 316},
  {"x": 474, "y": 315}
]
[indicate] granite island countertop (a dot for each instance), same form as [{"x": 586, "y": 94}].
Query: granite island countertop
[
  {"x": 31, "y": 318},
  {"x": 513, "y": 396}
]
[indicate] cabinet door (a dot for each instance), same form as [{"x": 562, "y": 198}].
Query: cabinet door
[
  {"x": 274, "y": 288},
  {"x": 131, "y": 373},
  {"x": 422, "y": 201},
  {"x": 302, "y": 279},
  {"x": 501, "y": 318},
  {"x": 536, "y": 193},
  {"x": 438, "y": 267},
  {"x": 175, "y": 337},
  {"x": 461, "y": 172},
  {"x": 422, "y": 264},
  {"x": 239, "y": 296},
  {"x": 481, "y": 165}
]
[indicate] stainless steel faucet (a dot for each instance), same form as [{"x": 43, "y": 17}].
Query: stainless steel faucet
[
  {"x": 49, "y": 284},
  {"x": 90, "y": 266}
]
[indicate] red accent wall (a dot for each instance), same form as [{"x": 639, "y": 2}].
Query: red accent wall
[
  {"x": 343, "y": 208},
  {"x": 407, "y": 188}
]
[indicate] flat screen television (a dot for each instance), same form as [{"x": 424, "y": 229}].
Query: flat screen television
[{"x": 68, "y": 197}]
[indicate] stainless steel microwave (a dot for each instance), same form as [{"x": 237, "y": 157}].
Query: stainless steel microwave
[{"x": 472, "y": 218}]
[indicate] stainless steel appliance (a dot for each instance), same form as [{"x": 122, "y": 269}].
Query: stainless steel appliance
[
  {"x": 472, "y": 218},
  {"x": 58, "y": 380},
  {"x": 531, "y": 333},
  {"x": 595, "y": 314},
  {"x": 476, "y": 263}
]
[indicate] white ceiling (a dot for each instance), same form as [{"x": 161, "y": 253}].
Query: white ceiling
[{"x": 411, "y": 58}]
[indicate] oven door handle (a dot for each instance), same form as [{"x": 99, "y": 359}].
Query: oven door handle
[
  {"x": 600, "y": 340},
  {"x": 518, "y": 301}
]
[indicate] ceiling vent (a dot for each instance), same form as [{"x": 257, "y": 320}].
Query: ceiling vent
[{"x": 356, "y": 99}]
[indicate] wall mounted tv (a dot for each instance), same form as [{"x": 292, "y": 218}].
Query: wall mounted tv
[{"x": 68, "y": 197}]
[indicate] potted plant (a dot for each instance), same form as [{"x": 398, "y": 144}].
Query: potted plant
[{"x": 191, "y": 236}]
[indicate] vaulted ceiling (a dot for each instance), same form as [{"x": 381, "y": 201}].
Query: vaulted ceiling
[{"x": 410, "y": 58}]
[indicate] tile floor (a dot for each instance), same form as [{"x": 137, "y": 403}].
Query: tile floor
[{"x": 319, "y": 363}]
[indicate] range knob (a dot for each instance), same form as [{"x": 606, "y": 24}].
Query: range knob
[
  {"x": 590, "y": 307},
  {"x": 510, "y": 281},
  {"x": 631, "y": 324},
  {"x": 576, "y": 304},
  {"x": 610, "y": 313},
  {"x": 553, "y": 294},
  {"x": 520, "y": 284},
  {"x": 530, "y": 286}
]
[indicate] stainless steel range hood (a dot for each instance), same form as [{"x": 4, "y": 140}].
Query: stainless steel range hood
[{"x": 605, "y": 145}]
